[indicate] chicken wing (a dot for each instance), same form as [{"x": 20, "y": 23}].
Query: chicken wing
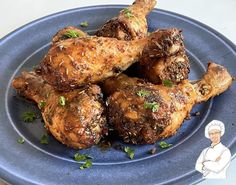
[
  {"x": 142, "y": 113},
  {"x": 76, "y": 62},
  {"x": 131, "y": 22},
  {"x": 76, "y": 118}
]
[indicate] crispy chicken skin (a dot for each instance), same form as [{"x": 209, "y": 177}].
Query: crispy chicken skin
[
  {"x": 75, "y": 62},
  {"x": 131, "y": 22},
  {"x": 159, "y": 113},
  {"x": 173, "y": 66},
  {"x": 80, "y": 123},
  {"x": 62, "y": 34}
]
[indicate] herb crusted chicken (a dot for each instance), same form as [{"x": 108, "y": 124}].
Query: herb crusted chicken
[
  {"x": 143, "y": 113},
  {"x": 75, "y": 118}
]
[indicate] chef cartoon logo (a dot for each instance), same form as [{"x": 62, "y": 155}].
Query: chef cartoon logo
[{"x": 214, "y": 160}]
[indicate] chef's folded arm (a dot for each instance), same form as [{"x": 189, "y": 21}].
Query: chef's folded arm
[
  {"x": 199, "y": 163},
  {"x": 217, "y": 166}
]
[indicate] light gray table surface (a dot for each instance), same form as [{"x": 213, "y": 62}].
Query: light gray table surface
[{"x": 218, "y": 14}]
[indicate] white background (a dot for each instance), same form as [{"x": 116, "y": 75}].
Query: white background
[{"x": 218, "y": 14}]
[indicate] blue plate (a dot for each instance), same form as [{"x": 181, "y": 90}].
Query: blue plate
[{"x": 33, "y": 163}]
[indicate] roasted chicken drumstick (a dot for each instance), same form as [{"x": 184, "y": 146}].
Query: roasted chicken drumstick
[
  {"x": 75, "y": 118},
  {"x": 131, "y": 22},
  {"x": 75, "y": 62},
  {"x": 142, "y": 112}
]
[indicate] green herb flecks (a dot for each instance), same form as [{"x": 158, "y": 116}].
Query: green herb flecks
[
  {"x": 167, "y": 83},
  {"x": 84, "y": 24},
  {"x": 44, "y": 139},
  {"x": 128, "y": 13},
  {"x": 21, "y": 140},
  {"x": 154, "y": 106},
  {"x": 28, "y": 116},
  {"x": 87, "y": 164},
  {"x": 129, "y": 152},
  {"x": 143, "y": 93},
  {"x": 62, "y": 100},
  {"x": 81, "y": 157},
  {"x": 41, "y": 104},
  {"x": 164, "y": 144},
  {"x": 72, "y": 34}
]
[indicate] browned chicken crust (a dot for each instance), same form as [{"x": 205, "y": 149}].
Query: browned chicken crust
[
  {"x": 145, "y": 119},
  {"x": 131, "y": 22},
  {"x": 80, "y": 123}
]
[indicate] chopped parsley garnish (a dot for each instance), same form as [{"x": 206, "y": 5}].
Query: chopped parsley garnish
[
  {"x": 143, "y": 93},
  {"x": 21, "y": 140},
  {"x": 28, "y": 116},
  {"x": 84, "y": 24},
  {"x": 42, "y": 104},
  {"x": 72, "y": 34},
  {"x": 129, "y": 152},
  {"x": 128, "y": 13},
  {"x": 62, "y": 101},
  {"x": 164, "y": 144},
  {"x": 44, "y": 139},
  {"x": 81, "y": 157},
  {"x": 167, "y": 83},
  {"x": 87, "y": 164},
  {"x": 154, "y": 106}
]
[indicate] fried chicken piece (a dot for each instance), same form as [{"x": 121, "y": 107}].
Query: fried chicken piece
[
  {"x": 143, "y": 113},
  {"x": 68, "y": 32},
  {"x": 131, "y": 22},
  {"x": 75, "y": 62},
  {"x": 173, "y": 67},
  {"x": 79, "y": 122}
]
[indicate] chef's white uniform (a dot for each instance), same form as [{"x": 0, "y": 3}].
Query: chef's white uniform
[{"x": 207, "y": 164}]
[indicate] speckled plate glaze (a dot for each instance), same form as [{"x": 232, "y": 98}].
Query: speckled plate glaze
[{"x": 33, "y": 163}]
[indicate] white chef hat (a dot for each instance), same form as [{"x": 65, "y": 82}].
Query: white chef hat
[{"x": 214, "y": 125}]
